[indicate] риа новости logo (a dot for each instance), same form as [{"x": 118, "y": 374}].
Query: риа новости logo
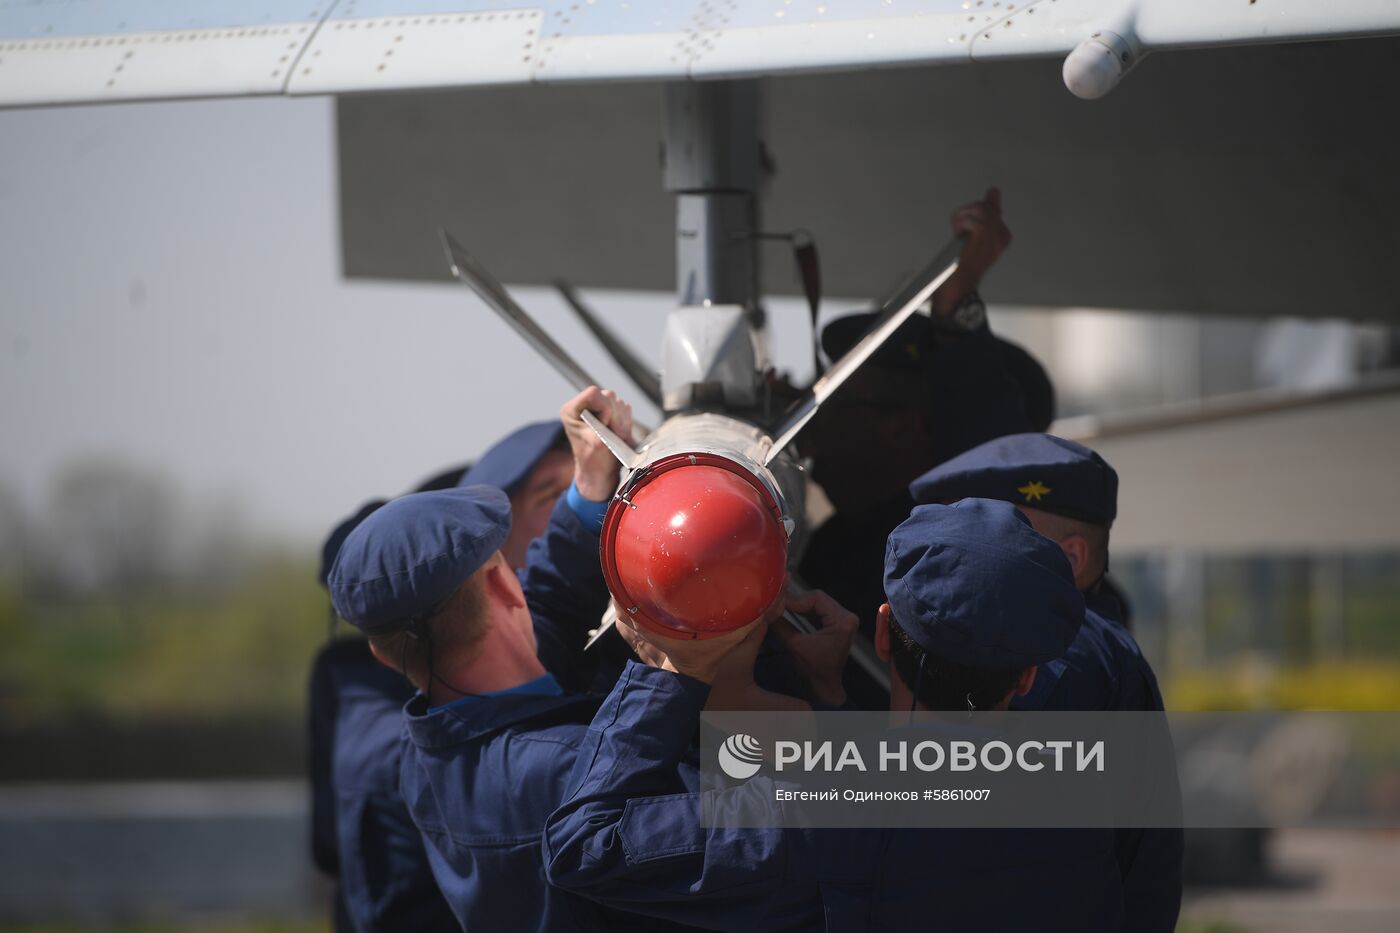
[{"x": 740, "y": 756}]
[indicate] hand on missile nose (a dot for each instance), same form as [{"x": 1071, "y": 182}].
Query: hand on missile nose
[
  {"x": 647, "y": 653},
  {"x": 700, "y": 658},
  {"x": 821, "y": 656},
  {"x": 987, "y": 235},
  {"x": 595, "y": 468},
  {"x": 734, "y": 687}
]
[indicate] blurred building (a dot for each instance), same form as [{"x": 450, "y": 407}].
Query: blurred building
[{"x": 1258, "y": 536}]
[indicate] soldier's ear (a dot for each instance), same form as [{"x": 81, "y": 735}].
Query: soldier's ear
[
  {"x": 882, "y": 633},
  {"x": 502, "y": 586},
  {"x": 382, "y": 657},
  {"x": 1078, "y": 550}
]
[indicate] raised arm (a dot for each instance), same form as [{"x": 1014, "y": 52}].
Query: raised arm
[
  {"x": 563, "y": 577},
  {"x": 974, "y": 396}
]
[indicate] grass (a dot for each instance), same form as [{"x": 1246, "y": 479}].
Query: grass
[
  {"x": 171, "y": 650},
  {"x": 1341, "y": 685},
  {"x": 244, "y": 649}
]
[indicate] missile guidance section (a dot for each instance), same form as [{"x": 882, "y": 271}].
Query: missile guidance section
[{"x": 695, "y": 543}]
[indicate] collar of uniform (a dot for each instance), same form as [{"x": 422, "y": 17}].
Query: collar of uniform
[
  {"x": 1105, "y": 603},
  {"x": 1047, "y": 676},
  {"x": 454, "y": 725},
  {"x": 1093, "y": 638},
  {"x": 544, "y": 685}
]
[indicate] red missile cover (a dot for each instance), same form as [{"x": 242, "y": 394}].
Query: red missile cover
[{"x": 697, "y": 549}]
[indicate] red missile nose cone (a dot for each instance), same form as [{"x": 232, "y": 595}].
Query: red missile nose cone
[{"x": 701, "y": 550}]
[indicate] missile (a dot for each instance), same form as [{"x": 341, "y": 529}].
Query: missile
[{"x": 697, "y": 538}]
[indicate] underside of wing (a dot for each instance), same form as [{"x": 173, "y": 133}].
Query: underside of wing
[
  {"x": 75, "y": 51},
  {"x": 1055, "y": 27}
]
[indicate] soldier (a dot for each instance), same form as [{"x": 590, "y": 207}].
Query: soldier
[
  {"x": 490, "y": 736},
  {"x": 1037, "y": 391},
  {"x": 361, "y": 835},
  {"x": 939, "y": 386},
  {"x": 1070, "y": 494},
  {"x": 533, "y": 467},
  {"x": 362, "y": 832},
  {"x": 493, "y": 733},
  {"x": 977, "y": 600}
]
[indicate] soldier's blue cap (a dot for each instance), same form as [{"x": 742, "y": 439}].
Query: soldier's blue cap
[
  {"x": 339, "y": 533},
  {"x": 403, "y": 562},
  {"x": 1036, "y": 470},
  {"x": 904, "y": 351},
  {"x": 447, "y": 479},
  {"x": 975, "y": 584},
  {"x": 509, "y": 461}
]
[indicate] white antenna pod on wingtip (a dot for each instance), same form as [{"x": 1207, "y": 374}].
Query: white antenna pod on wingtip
[{"x": 1098, "y": 63}]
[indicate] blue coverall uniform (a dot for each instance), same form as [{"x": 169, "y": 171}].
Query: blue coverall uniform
[
  {"x": 1104, "y": 670},
  {"x": 481, "y": 775},
  {"x": 973, "y": 399},
  {"x": 361, "y": 831},
  {"x": 629, "y": 835}
]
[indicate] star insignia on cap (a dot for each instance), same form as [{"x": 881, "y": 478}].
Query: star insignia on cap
[{"x": 1033, "y": 491}]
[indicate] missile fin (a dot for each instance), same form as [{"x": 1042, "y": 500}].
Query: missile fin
[
  {"x": 470, "y": 272},
  {"x": 910, "y": 297},
  {"x": 636, "y": 369},
  {"x": 608, "y": 623}
]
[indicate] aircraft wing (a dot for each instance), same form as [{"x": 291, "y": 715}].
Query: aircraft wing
[
  {"x": 81, "y": 51},
  {"x": 1055, "y": 27}
]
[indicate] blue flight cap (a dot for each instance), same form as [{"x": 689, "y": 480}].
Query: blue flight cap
[
  {"x": 337, "y": 537},
  {"x": 906, "y": 349},
  {"x": 403, "y": 562},
  {"x": 1037, "y": 470},
  {"x": 509, "y": 461},
  {"x": 449, "y": 478},
  {"x": 975, "y": 584},
  {"x": 903, "y": 352}
]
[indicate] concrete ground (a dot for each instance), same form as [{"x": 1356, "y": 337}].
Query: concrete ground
[
  {"x": 91, "y": 854},
  {"x": 1321, "y": 881}
]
